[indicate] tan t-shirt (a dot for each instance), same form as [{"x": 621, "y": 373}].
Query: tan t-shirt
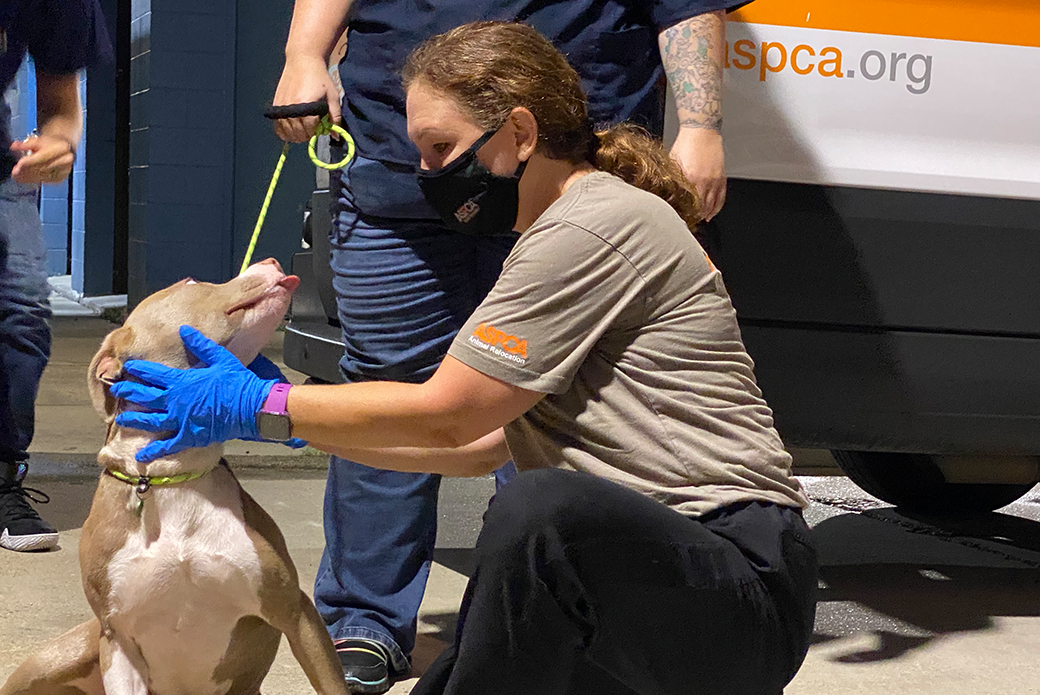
[{"x": 609, "y": 306}]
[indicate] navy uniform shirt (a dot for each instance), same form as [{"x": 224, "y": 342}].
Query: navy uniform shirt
[
  {"x": 62, "y": 36},
  {"x": 611, "y": 43}
]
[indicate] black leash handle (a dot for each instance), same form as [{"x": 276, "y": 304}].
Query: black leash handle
[{"x": 313, "y": 108}]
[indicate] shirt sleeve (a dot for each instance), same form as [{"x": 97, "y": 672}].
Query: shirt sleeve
[
  {"x": 560, "y": 291},
  {"x": 70, "y": 35},
  {"x": 668, "y": 12}
]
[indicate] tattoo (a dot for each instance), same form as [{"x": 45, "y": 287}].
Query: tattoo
[{"x": 691, "y": 52}]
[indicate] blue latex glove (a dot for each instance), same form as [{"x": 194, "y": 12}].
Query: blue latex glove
[{"x": 214, "y": 403}]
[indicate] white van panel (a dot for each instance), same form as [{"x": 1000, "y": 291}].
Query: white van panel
[{"x": 882, "y": 111}]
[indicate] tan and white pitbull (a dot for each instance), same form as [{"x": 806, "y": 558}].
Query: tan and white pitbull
[{"x": 189, "y": 578}]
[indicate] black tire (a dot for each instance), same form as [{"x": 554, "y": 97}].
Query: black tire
[{"x": 915, "y": 483}]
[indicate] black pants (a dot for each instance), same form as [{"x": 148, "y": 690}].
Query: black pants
[{"x": 585, "y": 587}]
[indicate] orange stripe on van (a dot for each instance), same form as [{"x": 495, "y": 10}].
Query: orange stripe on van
[{"x": 1009, "y": 22}]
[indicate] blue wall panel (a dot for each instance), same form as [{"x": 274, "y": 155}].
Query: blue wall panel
[
  {"x": 54, "y": 213},
  {"x": 200, "y": 155},
  {"x": 263, "y": 28},
  {"x": 182, "y": 140}
]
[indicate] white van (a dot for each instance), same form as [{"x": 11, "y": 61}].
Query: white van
[
  {"x": 881, "y": 237},
  {"x": 881, "y": 240}
]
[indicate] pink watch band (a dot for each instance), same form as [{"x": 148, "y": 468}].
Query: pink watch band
[{"x": 277, "y": 399}]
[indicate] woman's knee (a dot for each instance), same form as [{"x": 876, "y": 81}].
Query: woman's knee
[{"x": 536, "y": 502}]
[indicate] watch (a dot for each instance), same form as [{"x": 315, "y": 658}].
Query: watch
[{"x": 272, "y": 422}]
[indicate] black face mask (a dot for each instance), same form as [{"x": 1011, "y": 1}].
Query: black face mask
[{"x": 469, "y": 198}]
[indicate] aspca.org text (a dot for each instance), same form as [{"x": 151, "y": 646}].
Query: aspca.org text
[{"x": 914, "y": 71}]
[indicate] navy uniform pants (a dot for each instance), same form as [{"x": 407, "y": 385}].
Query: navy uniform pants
[{"x": 404, "y": 288}]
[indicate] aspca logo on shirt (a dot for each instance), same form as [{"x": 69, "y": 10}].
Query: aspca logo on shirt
[
  {"x": 487, "y": 337},
  {"x": 466, "y": 212}
]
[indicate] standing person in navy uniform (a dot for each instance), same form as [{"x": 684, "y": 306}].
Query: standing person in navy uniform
[
  {"x": 63, "y": 37},
  {"x": 405, "y": 283}
]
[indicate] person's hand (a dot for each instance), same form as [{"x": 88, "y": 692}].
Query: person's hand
[
  {"x": 45, "y": 159},
  {"x": 304, "y": 79},
  {"x": 213, "y": 403},
  {"x": 699, "y": 152}
]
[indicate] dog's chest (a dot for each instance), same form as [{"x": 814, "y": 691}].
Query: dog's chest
[{"x": 180, "y": 584}]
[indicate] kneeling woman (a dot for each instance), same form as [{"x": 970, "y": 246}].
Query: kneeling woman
[{"x": 653, "y": 541}]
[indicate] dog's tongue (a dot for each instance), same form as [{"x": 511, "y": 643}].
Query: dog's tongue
[{"x": 290, "y": 282}]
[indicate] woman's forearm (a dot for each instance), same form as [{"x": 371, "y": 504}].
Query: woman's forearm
[
  {"x": 373, "y": 415},
  {"x": 457, "y": 406},
  {"x": 472, "y": 460}
]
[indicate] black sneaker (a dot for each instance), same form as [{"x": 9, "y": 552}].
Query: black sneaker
[
  {"x": 21, "y": 528},
  {"x": 365, "y": 665}
]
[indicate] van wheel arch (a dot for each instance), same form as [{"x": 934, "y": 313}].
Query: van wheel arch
[{"x": 914, "y": 482}]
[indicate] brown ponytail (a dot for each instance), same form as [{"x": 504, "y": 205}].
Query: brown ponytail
[
  {"x": 490, "y": 68},
  {"x": 633, "y": 155}
]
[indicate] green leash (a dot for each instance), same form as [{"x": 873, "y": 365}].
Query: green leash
[{"x": 325, "y": 126}]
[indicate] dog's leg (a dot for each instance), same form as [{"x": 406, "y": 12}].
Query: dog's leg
[
  {"x": 122, "y": 667},
  {"x": 67, "y": 665},
  {"x": 312, "y": 647},
  {"x": 288, "y": 609}
]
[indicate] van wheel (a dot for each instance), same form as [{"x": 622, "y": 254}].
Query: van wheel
[{"x": 915, "y": 483}]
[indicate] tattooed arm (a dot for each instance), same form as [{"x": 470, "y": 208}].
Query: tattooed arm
[{"x": 692, "y": 54}]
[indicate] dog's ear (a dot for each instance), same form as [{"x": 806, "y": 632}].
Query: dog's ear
[{"x": 106, "y": 368}]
